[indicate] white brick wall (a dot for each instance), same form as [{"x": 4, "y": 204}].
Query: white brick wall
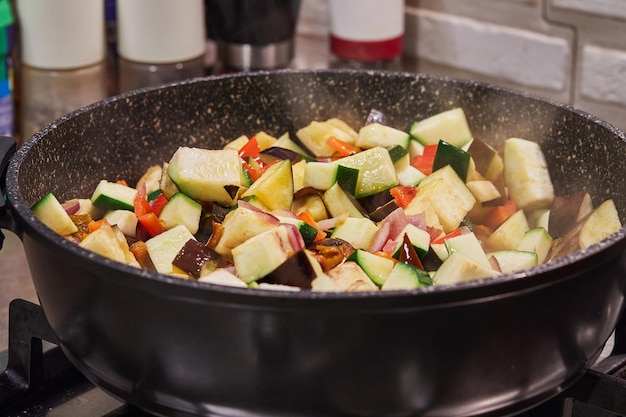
[
  {"x": 572, "y": 51},
  {"x": 489, "y": 49},
  {"x": 608, "y": 8},
  {"x": 603, "y": 75}
]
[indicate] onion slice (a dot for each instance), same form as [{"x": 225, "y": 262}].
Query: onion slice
[{"x": 71, "y": 206}]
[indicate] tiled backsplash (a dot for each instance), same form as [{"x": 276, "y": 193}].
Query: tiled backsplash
[{"x": 572, "y": 51}]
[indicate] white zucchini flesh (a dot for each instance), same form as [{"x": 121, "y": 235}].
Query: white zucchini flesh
[
  {"x": 468, "y": 245},
  {"x": 514, "y": 260},
  {"x": 164, "y": 247},
  {"x": 359, "y": 232},
  {"x": 348, "y": 276},
  {"x": 376, "y": 267},
  {"x": 126, "y": 220},
  {"x": 376, "y": 170},
  {"x": 240, "y": 225},
  {"x": 275, "y": 187},
  {"x": 526, "y": 174},
  {"x": 376, "y": 134},
  {"x": 448, "y": 196},
  {"x": 315, "y": 136},
  {"x": 509, "y": 234},
  {"x": 450, "y": 125},
  {"x": 51, "y": 213},
  {"x": 404, "y": 277},
  {"x": 112, "y": 196},
  {"x": 261, "y": 254},
  {"x": 203, "y": 174},
  {"x": 181, "y": 209},
  {"x": 600, "y": 224},
  {"x": 458, "y": 268},
  {"x": 110, "y": 242},
  {"x": 338, "y": 202},
  {"x": 537, "y": 240}
]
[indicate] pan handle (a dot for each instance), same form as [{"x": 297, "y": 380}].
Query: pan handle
[{"x": 8, "y": 147}]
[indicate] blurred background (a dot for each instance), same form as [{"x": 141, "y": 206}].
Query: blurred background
[
  {"x": 68, "y": 53},
  {"x": 572, "y": 51},
  {"x": 64, "y": 54}
]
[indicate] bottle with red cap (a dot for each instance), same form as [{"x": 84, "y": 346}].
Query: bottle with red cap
[{"x": 366, "y": 33}]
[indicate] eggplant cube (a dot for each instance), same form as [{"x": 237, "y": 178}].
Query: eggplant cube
[
  {"x": 448, "y": 195},
  {"x": 164, "y": 247},
  {"x": 240, "y": 225},
  {"x": 110, "y": 242},
  {"x": 566, "y": 211},
  {"x": 298, "y": 270},
  {"x": 263, "y": 253}
]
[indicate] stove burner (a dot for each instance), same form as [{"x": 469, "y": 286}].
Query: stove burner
[{"x": 39, "y": 381}]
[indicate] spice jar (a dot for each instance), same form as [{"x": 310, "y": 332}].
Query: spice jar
[
  {"x": 159, "y": 41},
  {"x": 366, "y": 33},
  {"x": 62, "y": 55}
]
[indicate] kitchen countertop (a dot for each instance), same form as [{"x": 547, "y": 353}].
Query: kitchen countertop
[{"x": 15, "y": 280}]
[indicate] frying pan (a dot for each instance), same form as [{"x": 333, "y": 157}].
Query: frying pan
[{"x": 179, "y": 347}]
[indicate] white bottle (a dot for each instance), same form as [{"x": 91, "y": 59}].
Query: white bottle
[
  {"x": 159, "y": 41},
  {"x": 62, "y": 54},
  {"x": 366, "y": 31}
]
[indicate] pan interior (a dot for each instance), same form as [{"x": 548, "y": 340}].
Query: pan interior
[{"x": 121, "y": 137}]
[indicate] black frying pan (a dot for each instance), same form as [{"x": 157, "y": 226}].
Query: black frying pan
[{"x": 180, "y": 347}]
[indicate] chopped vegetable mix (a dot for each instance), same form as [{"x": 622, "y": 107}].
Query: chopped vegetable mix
[{"x": 339, "y": 209}]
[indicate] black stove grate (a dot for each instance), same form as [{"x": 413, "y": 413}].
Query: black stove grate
[{"x": 39, "y": 381}]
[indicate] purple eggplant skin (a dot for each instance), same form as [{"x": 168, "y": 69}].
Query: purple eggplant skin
[
  {"x": 193, "y": 257},
  {"x": 374, "y": 201},
  {"x": 431, "y": 261},
  {"x": 282, "y": 153},
  {"x": 383, "y": 211},
  {"x": 296, "y": 271},
  {"x": 378, "y": 205}
]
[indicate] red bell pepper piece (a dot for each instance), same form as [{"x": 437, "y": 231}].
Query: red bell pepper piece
[
  {"x": 252, "y": 173},
  {"x": 141, "y": 204},
  {"x": 251, "y": 149},
  {"x": 150, "y": 221},
  {"x": 425, "y": 161},
  {"x": 94, "y": 225},
  {"x": 342, "y": 148},
  {"x": 403, "y": 194},
  {"x": 158, "y": 204},
  {"x": 443, "y": 238},
  {"x": 499, "y": 214},
  {"x": 255, "y": 172}
]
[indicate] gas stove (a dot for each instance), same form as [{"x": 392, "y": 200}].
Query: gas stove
[{"x": 39, "y": 381}]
